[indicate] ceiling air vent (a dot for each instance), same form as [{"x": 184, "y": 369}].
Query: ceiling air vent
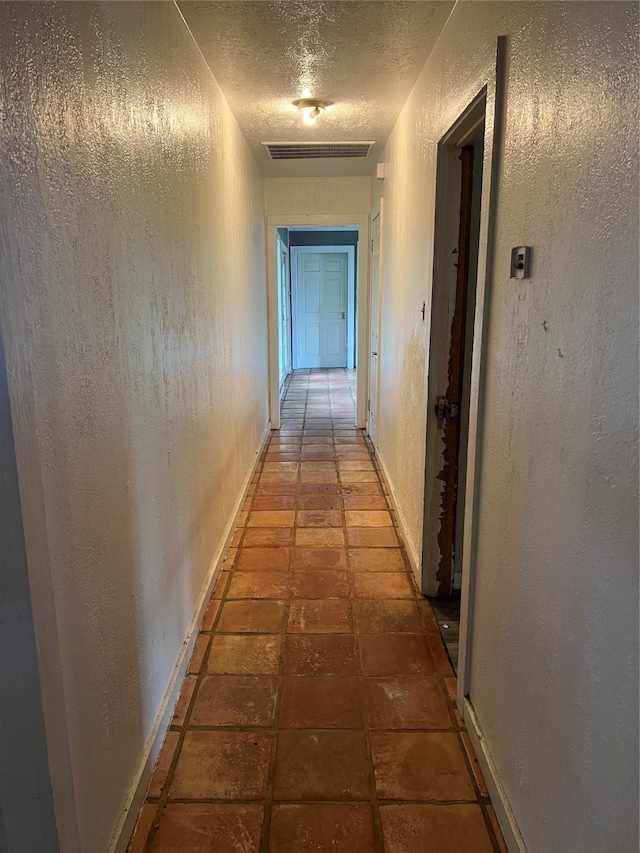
[{"x": 316, "y": 150}]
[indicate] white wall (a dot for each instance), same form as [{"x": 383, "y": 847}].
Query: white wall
[
  {"x": 554, "y": 678},
  {"x": 317, "y": 196},
  {"x": 134, "y": 318}
]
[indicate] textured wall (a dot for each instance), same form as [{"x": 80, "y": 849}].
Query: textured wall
[
  {"x": 317, "y": 196},
  {"x": 554, "y": 659},
  {"x": 134, "y": 318}
]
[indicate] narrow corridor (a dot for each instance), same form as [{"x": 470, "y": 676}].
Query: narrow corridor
[{"x": 318, "y": 713}]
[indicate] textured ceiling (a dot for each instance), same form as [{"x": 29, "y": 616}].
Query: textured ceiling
[{"x": 364, "y": 55}]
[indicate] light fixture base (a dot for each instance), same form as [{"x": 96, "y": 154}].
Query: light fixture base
[{"x": 311, "y": 103}]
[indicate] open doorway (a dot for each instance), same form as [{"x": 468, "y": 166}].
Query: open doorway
[
  {"x": 315, "y": 316},
  {"x": 457, "y": 230}
]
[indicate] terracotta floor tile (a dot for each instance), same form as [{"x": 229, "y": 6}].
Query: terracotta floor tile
[
  {"x": 276, "y": 489},
  {"x": 163, "y": 764},
  {"x": 222, "y": 765},
  {"x": 372, "y": 488},
  {"x": 235, "y": 700},
  {"x": 359, "y": 477},
  {"x": 449, "y": 828},
  {"x": 376, "y": 560},
  {"x": 319, "y": 537},
  {"x": 502, "y": 847},
  {"x": 320, "y": 585},
  {"x": 420, "y": 766},
  {"x": 321, "y": 828},
  {"x": 278, "y": 456},
  {"x": 210, "y": 614},
  {"x": 331, "y": 616},
  {"x": 324, "y": 478},
  {"x": 259, "y": 585},
  {"x": 406, "y": 703},
  {"x": 290, "y": 467},
  {"x": 268, "y": 536},
  {"x": 146, "y": 820},
  {"x": 274, "y": 477},
  {"x": 263, "y": 559},
  {"x": 199, "y": 651},
  {"x": 244, "y": 654},
  {"x": 221, "y": 584},
  {"x": 319, "y": 518},
  {"x": 368, "y": 518},
  {"x": 271, "y": 518},
  {"x": 318, "y": 468},
  {"x": 274, "y": 502},
  {"x": 320, "y": 654},
  {"x": 364, "y": 502},
  {"x": 321, "y": 765},
  {"x": 373, "y": 537},
  {"x": 381, "y": 585},
  {"x": 321, "y": 703},
  {"x": 323, "y": 559},
  {"x": 182, "y": 705},
  {"x": 256, "y": 617},
  {"x": 319, "y": 489},
  {"x": 319, "y": 502},
  {"x": 206, "y": 827},
  {"x": 387, "y": 617},
  {"x": 395, "y": 654},
  {"x": 363, "y": 464}
]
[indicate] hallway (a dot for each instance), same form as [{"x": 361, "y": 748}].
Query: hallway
[{"x": 318, "y": 712}]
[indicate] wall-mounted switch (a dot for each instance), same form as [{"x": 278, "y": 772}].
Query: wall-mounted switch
[
  {"x": 380, "y": 171},
  {"x": 520, "y": 262}
]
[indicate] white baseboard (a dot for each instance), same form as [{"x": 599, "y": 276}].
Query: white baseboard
[
  {"x": 136, "y": 795},
  {"x": 414, "y": 560},
  {"x": 504, "y": 813}
]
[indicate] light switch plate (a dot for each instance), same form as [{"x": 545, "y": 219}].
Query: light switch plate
[{"x": 520, "y": 262}]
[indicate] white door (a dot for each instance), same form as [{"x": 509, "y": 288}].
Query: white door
[
  {"x": 372, "y": 406},
  {"x": 321, "y": 310}
]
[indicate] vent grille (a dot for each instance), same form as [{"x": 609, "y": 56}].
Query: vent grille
[{"x": 316, "y": 150}]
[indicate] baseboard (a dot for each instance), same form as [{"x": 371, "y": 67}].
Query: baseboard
[
  {"x": 504, "y": 813},
  {"x": 412, "y": 556},
  {"x": 136, "y": 795}
]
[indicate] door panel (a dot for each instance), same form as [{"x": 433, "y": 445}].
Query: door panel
[{"x": 322, "y": 293}]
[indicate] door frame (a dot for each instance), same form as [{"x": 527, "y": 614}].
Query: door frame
[
  {"x": 443, "y": 306},
  {"x": 380, "y": 217},
  {"x": 297, "y": 220},
  {"x": 491, "y": 91},
  {"x": 350, "y": 252},
  {"x": 284, "y": 266}
]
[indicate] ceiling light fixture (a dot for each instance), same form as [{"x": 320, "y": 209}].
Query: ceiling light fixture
[{"x": 311, "y": 108}]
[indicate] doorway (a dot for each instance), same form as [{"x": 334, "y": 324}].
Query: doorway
[
  {"x": 457, "y": 230},
  {"x": 321, "y": 235}
]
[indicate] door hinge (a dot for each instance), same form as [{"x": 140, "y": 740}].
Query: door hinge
[
  {"x": 372, "y": 245},
  {"x": 445, "y": 410}
]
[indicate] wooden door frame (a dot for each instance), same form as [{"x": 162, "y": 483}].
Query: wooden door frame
[
  {"x": 350, "y": 251},
  {"x": 298, "y": 220}
]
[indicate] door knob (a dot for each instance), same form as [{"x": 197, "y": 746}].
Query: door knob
[
  {"x": 344, "y": 316},
  {"x": 374, "y": 353}
]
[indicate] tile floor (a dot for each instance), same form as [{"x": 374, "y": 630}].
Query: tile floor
[{"x": 318, "y": 713}]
